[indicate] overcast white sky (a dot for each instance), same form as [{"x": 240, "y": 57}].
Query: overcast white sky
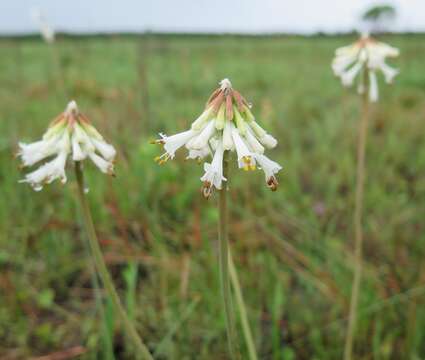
[{"x": 203, "y": 15}]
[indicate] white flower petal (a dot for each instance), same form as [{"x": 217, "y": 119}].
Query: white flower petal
[
  {"x": 48, "y": 172},
  {"x": 214, "y": 172},
  {"x": 389, "y": 72},
  {"x": 228, "y": 143},
  {"x": 253, "y": 142},
  {"x": 348, "y": 76},
  {"x": 341, "y": 63},
  {"x": 245, "y": 159},
  {"x": 107, "y": 167},
  {"x": 202, "y": 139},
  {"x": 199, "y": 154},
  {"x": 39, "y": 150},
  {"x": 77, "y": 153},
  {"x": 105, "y": 149},
  {"x": 270, "y": 168},
  {"x": 373, "y": 87},
  {"x": 174, "y": 142},
  {"x": 266, "y": 139},
  {"x": 199, "y": 123}
]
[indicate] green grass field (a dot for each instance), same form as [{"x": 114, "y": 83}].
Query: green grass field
[{"x": 292, "y": 248}]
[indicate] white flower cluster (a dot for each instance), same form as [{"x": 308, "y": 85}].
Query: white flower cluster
[
  {"x": 70, "y": 133},
  {"x": 226, "y": 124},
  {"x": 369, "y": 54},
  {"x": 46, "y": 30}
]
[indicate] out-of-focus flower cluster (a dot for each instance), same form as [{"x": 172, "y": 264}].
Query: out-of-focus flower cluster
[
  {"x": 69, "y": 134},
  {"x": 365, "y": 54}
]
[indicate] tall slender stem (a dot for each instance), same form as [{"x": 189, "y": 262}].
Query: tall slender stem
[
  {"x": 223, "y": 240},
  {"x": 58, "y": 69},
  {"x": 142, "y": 351},
  {"x": 358, "y": 216},
  {"x": 242, "y": 309}
]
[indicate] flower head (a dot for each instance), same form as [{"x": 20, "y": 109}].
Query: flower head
[
  {"x": 365, "y": 53},
  {"x": 46, "y": 30},
  {"x": 69, "y": 134},
  {"x": 226, "y": 124}
]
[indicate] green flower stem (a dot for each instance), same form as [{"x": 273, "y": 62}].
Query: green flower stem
[
  {"x": 142, "y": 351},
  {"x": 223, "y": 240},
  {"x": 58, "y": 69},
  {"x": 358, "y": 217},
  {"x": 242, "y": 309}
]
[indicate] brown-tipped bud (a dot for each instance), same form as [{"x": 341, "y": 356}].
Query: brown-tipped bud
[
  {"x": 229, "y": 107},
  {"x": 238, "y": 99},
  {"x": 213, "y": 96},
  {"x": 216, "y": 103},
  {"x": 83, "y": 118},
  {"x": 57, "y": 119}
]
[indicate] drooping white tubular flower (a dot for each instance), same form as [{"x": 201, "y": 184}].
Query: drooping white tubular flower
[
  {"x": 172, "y": 144},
  {"x": 366, "y": 54},
  {"x": 226, "y": 124},
  {"x": 228, "y": 143},
  {"x": 270, "y": 168},
  {"x": 245, "y": 157},
  {"x": 52, "y": 170},
  {"x": 199, "y": 154},
  {"x": 373, "y": 89},
  {"x": 69, "y": 134},
  {"x": 46, "y": 30},
  {"x": 201, "y": 140},
  {"x": 214, "y": 172}
]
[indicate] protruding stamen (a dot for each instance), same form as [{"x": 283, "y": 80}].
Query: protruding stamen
[
  {"x": 248, "y": 164},
  {"x": 157, "y": 142},
  {"x": 162, "y": 159}
]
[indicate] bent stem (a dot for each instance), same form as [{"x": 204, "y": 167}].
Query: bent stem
[
  {"x": 358, "y": 215},
  {"x": 223, "y": 241},
  {"x": 242, "y": 309},
  {"x": 140, "y": 348}
]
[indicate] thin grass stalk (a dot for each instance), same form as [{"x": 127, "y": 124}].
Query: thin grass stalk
[
  {"x": 223, "y": 241},
  {"x": 242, "y": 309},
  {"x": 175, "y": 327},
  {"x": 58, "y": 69},
  {"x": 143, "y": 84},
  {"x": 141, "y": 350},
  {"x": 358, "y": 219},
  {"x": 99, "y": 304}
]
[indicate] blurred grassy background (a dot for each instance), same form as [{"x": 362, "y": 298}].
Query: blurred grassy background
[{"x": 292, "y": 248}]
